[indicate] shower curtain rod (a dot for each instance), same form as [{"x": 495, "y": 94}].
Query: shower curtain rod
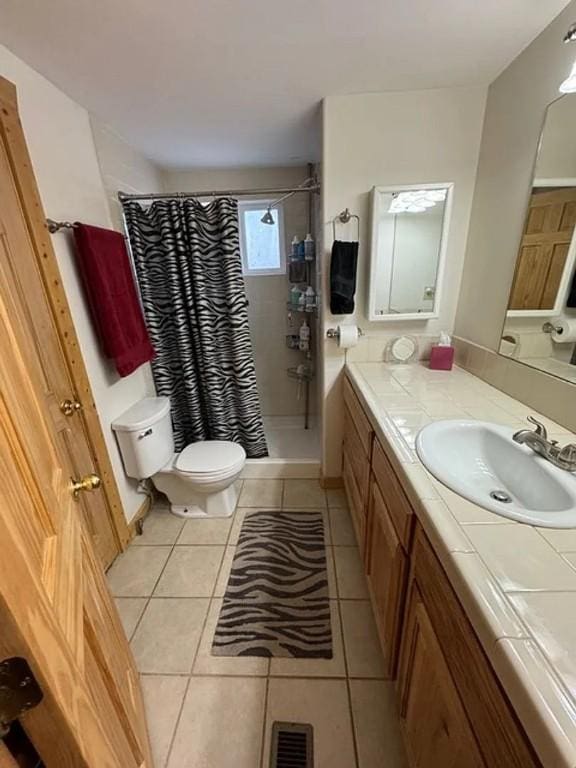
[{"x": 122, "y": 196}]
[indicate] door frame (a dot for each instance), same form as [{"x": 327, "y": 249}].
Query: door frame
[{"x": 28, "y": 193}]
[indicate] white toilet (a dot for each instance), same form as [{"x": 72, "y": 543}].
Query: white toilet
[{"x": 199, "y": 481}]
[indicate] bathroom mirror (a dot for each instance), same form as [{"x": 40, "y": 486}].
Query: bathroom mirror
[
  {"x": 540, "y": 324},
  {"x": 409, "y": 236}
]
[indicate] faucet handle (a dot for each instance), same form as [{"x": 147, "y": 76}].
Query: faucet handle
[
  {"x": 540, "y": 428},
  {"x": 567, "y": 454}
]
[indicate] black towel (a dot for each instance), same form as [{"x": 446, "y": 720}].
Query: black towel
[
  {"x": 571, "y": 300},
  {"x": 343, "y": 277}
]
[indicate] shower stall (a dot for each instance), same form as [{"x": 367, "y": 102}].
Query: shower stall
[{"x": 275, "y": 208}]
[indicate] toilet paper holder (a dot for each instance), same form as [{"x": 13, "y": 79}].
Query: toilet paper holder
[
  {"x": 334, "y": 333},
  {"x": 549, "y": 328}
]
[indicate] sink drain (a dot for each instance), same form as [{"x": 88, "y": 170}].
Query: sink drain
[{"x": 501, "y": 496}]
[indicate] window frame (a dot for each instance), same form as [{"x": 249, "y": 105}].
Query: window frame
[{"x": 278, "y": 213}]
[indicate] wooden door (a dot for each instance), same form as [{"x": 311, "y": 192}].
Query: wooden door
[
  {"x": 544, "y": 248},
  {"x": 435, "y": 726},
  {"x": 55, "y": 607},
  {"x": 32, "y": 271},
  {"x": 387, "y": 573}
]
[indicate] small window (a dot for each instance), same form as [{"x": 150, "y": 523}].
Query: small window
[{"x": 261, "y": 245}]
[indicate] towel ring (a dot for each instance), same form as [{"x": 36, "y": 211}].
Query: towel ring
[{"x": 343, "y": 218}]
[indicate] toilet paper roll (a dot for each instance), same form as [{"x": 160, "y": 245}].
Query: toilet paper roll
[
  {"x": 565, "y": 330},
  {"x": 348, "y": 336}
]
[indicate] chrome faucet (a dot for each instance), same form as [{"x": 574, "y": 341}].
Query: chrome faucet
[{"x": 537, "y": 439}]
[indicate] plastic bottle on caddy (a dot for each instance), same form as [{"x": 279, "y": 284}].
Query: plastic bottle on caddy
[
  {"x": 310, "y": 298},
  {"x": 309, "y": 249},
  {"x": 304, "y": 344}
]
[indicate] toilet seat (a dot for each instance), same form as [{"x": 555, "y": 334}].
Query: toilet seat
[{"x": 209, "y": 461}]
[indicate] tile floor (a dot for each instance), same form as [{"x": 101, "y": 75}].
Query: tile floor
[{"x": 215, "y": 712}]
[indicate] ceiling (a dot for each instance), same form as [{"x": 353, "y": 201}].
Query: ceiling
[{"x": 239, "y": 82}]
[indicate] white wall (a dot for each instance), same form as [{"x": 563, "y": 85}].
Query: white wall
[
  {"x": 267, "y": 294},
  {"x": 61, "y": 145},
  {"x": 384, "y": 139},
  {"x": 557, "y": 154},
  {"x": 123, "y": 169},
  {"x": 515, "y": 111}
]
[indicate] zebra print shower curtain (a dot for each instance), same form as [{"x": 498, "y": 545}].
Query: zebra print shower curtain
[{"x": 189, "y": 270}]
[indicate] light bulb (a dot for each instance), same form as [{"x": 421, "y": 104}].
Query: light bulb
[{"x": 569, "y": 85}]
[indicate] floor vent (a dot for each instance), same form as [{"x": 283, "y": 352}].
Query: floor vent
[{"x": 292, "y": 746}]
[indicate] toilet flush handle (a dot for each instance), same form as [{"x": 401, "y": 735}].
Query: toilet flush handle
[{"x": 144, "y": 434}]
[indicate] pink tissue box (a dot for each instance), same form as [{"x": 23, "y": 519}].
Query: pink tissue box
[{"x": 441, "y": 358}]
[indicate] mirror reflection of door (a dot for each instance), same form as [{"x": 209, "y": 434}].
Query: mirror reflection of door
[
  {"x": 544, "y": 248},
  {"x": 543, "y": 295}
]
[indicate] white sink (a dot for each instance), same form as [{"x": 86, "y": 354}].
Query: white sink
[{"x": 481, "y": 462}]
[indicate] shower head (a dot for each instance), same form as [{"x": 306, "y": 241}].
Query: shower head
[{"x": 267, "y": 218}]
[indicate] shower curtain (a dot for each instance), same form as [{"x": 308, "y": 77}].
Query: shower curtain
[{"x": 189, "y": 271}]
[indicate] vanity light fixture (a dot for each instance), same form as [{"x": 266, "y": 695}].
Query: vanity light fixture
[
  {"x": 416, "y": 201},
  {"x": 569, "y": 85}
]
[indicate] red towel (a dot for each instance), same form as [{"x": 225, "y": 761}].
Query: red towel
[{"x": 107, "y": 275}]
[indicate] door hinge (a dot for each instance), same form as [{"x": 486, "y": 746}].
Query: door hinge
[{"x": 19, "y": 691}]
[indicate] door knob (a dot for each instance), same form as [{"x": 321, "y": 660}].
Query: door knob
[
  {"x": 86, "y": 483},
  {"x": 70, "y": 407}
]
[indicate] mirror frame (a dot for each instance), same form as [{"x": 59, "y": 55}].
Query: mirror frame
[{"x": 434, "y": 313}]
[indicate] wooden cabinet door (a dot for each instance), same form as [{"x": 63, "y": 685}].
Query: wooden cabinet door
[
  {"x": 435, "y": 726},
  {"x": 55, "y": 607},
  {"x": 387, "y": 572},
  {"x": 544, "y": 248}
]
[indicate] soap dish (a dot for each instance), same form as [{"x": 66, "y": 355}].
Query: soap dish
[{"x": 401, "y": 349}]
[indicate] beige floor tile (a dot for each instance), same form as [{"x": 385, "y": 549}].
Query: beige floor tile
[
  {"x": 190, "y": 572},
  {"x": 206, "y": 664},
  {"x": 168, "y": 635},
  {"x": 201, "y": 531},
  {"x": 350, "y": 574},
  {"x": 160, "y": 527},
  {"x": 162, "y": 699},
  {"x": 324, "y": 704},
  {"x": 341, "y": 526},
  {"x": 130, "y": 609},
  {"x": 261, "y": 493},
  {"x": 334, "y": 667},
  {"x": 221, "y": 724},
  {"x": 237, "y": 521},
  {"x": 303, "y": 493},
  {"x": 336, "y": 497},
  {"x": 224, "y": 573},
  {"x": 376, "y": 725},
  {"x": 331, "y": 571},
  {"x": 361, "y": 643},
  {"x": 135, "y": 572}
]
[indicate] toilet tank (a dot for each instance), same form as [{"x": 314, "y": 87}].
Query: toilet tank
[{"x": 144, "y": 434}]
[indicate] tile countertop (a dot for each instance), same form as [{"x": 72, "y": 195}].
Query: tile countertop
[{"x": 516, "y": 582}]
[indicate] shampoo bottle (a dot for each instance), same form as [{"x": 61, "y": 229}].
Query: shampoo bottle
[
  {"x": 304, "y": 344},
  {"x": 309, "y": 248}
]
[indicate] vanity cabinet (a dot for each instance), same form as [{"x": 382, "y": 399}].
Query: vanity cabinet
[
  {"x": 451, "y": 702},
  {"x": 386, "y": 563},
  {"x": 357, "y": 455},
  {"x": 452, "y": 708},
  {"x": 436, "y": 729}
]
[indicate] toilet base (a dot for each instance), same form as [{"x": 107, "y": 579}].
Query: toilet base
[{"x": 187, "y": 503}]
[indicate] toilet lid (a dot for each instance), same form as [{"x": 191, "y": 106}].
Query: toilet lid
[{"x": 210, "y": 457}]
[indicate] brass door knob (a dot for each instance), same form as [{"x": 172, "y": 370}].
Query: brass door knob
[
  {"x": 70, "y": 407},
  {"x": 86, "y": 483}
]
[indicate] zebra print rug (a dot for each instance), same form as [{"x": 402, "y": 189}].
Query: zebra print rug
[{"x": 276, "y": 602}]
